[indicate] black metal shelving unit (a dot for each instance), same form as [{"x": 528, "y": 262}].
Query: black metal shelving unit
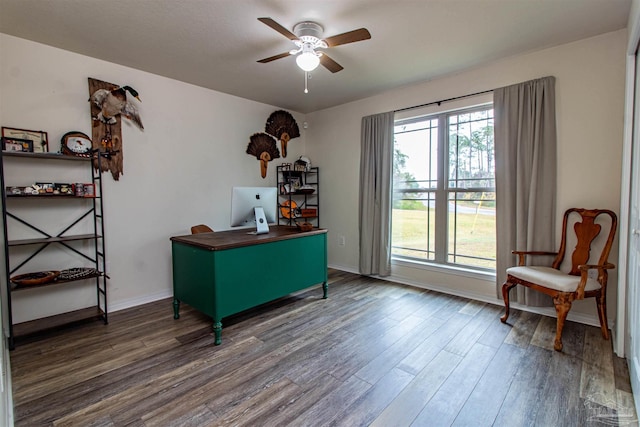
[
  {"x": 296, "y": 205},
  {"x": 95, "y": 255}
]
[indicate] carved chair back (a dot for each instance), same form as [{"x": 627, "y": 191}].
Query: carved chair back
[{"x": 590, "y": 246}]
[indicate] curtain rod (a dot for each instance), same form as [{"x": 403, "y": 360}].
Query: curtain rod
[{"x": 443, "y": 100}]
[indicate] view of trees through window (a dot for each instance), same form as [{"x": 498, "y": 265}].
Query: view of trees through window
[{"x": 444, "y": 189}]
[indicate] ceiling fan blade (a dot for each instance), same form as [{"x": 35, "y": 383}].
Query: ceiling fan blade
[
  {"x": 348, "y": 37},
  {"x": 330, "y": 64},
  {"x": 279, "y": 28},
  {"x": 274, "y": 57}
]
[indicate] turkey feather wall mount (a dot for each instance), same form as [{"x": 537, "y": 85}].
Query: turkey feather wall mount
[
  {"x": 282, "y": 126},
  {"x": 264, "y": 148}
]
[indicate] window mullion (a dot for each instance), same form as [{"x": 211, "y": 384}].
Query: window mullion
[{"x": 441, "y": 192}]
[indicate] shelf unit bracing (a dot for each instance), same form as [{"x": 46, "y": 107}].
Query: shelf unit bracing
[
  {"x": 90, "y": 209},
  {"x": 298, "y": 196}
]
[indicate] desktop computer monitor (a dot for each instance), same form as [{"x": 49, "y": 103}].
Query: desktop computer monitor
[{"x": 254, "y": 206}]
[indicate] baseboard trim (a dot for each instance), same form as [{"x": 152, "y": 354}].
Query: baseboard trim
[
  {"x": 545, "y": 311},
  {"x": 343, "y": 268},
  {"x": 134, "y": 302},
  {"x": 146, "y": 299}
]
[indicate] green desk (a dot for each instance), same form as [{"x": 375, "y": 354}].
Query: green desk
[{"x": 226, "y": 272}]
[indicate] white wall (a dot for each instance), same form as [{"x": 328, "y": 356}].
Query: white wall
[
  {"x": 180, "y": 170},
  {"x": 589, "y": 101},
  {"x": 177, "y": 172}
]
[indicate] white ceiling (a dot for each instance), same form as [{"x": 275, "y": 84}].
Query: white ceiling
[{"x": 216, "y": 43}]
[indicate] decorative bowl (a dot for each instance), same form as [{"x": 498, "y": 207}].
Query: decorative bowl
[
  {"x": 33, "y": 279},
  {"x": 305, "y": 226}
]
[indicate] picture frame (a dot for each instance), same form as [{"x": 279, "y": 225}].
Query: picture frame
[
  {"x": 39, "y": 139},
  {"x": 294, "y": 183},
  {"x": 17, "y": 144}
]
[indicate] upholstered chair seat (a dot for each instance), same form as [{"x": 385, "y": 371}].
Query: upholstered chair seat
[{"x": 551, "y": 278}]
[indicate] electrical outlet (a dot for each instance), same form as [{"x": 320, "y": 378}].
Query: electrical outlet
[
  {"x": 593, "y": 274},
  {"x": 341, "y": 241}
]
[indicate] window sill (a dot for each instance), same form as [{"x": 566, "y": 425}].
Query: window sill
[{"x": 447, "y": 269}]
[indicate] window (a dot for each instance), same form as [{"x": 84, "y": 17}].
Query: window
[{"x": 444, "y": 189}]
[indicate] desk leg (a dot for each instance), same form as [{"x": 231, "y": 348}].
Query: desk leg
[
  {"x": 217, "y": 330},
  {"x": 176, "y": 308},
  {"x": 325, "y": 290}
]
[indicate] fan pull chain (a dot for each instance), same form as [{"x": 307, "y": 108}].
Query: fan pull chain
[{"x": 305, "y": 82}]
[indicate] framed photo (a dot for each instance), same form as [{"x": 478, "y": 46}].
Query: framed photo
[
  {"x": 39, "y": 139},
  {"x": 294, "y": 183},
  {"x": 17, "y": 144}
]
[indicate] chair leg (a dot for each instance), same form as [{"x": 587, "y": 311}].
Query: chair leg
[
  {"x": 601, "y": 303},
  {"x": 562, "y": 303},
  {"x": 505, "y": 296}
]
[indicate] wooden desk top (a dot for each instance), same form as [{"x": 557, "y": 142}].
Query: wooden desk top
[{"x": 221, "y": 240}]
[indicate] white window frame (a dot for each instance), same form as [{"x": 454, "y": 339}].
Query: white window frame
[{"x": 440, "y": 262}]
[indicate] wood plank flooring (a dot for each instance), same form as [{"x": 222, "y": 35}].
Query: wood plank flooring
[{"x": 374, "y": 353}]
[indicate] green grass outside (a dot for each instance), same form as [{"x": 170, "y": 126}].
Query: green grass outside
[{"x": 476, "y": 236}]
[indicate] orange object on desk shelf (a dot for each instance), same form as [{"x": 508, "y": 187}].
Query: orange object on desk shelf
[{"x": 288, "y": 209}]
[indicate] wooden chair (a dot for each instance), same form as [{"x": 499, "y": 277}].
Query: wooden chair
[
  {"x": 201, "y": 228},
  {"x": 569, "y": 280}
]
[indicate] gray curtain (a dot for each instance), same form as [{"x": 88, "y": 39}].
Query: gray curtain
[
  {"x": 376, "y": 158},
  {"x": 525, "y": 149}
]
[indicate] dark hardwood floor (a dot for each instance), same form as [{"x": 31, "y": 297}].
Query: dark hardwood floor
[{"x": 374, "y": 353}]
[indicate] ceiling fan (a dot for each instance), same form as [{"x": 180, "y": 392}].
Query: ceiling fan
[{"x": 307, "y": 36}]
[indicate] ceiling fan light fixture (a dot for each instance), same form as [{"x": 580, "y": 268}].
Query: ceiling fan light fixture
[
  {"x": 308, "y": 60},
  {"x": 307, "y": 37}
]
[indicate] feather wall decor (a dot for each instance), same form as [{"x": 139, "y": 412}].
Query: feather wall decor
[
  {"x": 282, "y": 126},
  {"x": 106, "y": 137},
  {"x": 264, "y": 148}
]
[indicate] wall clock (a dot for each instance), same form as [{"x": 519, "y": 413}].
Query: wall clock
[{"x": 76, "y": 144}]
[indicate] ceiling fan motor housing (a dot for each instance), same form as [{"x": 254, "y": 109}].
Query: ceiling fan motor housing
[
  {"x": 308, "y": 29},
  {"x": 310, "y": 34}
]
